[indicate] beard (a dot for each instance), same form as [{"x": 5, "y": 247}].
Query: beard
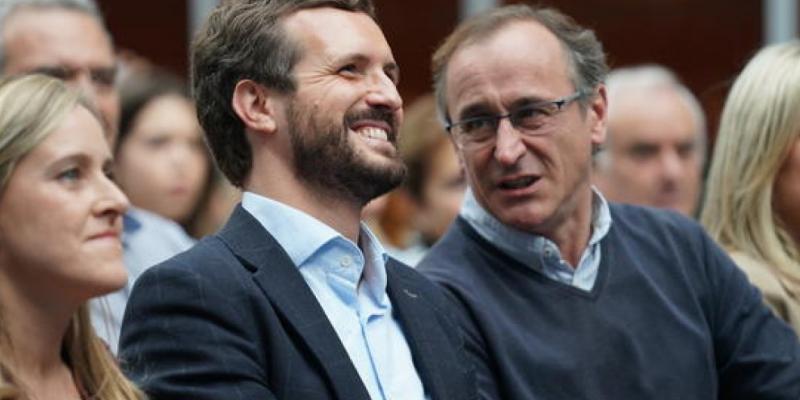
[{"x": 325, "y": 158}]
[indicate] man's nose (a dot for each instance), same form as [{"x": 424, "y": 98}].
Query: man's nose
[
  {"x": 383, "y": 92},
  {"x": 509, "y": 146}
]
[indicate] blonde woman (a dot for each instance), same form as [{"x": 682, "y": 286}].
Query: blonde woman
[
  {"x": 60, "y": 220},
  {"x": 752, "y": 206}
]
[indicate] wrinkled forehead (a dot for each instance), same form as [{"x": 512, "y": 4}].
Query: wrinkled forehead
[
  {"x": 522, "y": 59},
  {"x": 37, "y": 37},
  {"x": 657, "y": 112},
  {"x": 328, "y": 33}
]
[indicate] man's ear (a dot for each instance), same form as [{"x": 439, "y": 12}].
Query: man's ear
[
  {"x": 598, "y": 111},
  {"x": 254, "y": 104}
]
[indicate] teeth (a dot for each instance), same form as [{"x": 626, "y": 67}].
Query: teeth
[
  {"x": 518, "y": 183},
  {"x": 374, "y": 133}
]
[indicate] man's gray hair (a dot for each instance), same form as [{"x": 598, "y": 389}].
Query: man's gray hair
[
  {"x": 653, "y": 77},
  {"x": 587, "y": 61},
  {"x": 8, "y": 7}
]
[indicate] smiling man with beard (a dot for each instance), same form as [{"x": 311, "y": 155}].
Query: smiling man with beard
[{"x": 294, "y": 298}]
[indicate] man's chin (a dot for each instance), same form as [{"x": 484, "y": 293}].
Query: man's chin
[{"x": 382, "y": 179}]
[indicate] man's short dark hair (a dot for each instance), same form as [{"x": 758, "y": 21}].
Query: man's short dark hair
[
  {"x": 245, "y": 39},
  {"x": 585, "y": 54}
]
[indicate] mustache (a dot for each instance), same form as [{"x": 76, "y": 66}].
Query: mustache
[{"x": 374, "y": 114}]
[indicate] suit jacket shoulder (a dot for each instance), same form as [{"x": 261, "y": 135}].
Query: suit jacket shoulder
[{"x": 232, "y": 318}]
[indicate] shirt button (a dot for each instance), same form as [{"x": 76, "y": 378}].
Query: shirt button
[{"x": 346, "y": 261}]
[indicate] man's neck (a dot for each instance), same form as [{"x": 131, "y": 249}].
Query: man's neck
[
  {"x": 343, "y": 215},
  {"x": 571, "y": 230}
]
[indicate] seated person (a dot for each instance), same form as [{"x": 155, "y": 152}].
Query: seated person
[
  {"x": 60, "y": 226},
  {"x": 752, "y": 205},
  {"x": 564, "y": 295},
  {"x": 656, "y": 141},
  {"x": 162, "y": 163}
]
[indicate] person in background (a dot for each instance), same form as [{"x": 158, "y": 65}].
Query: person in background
[
  {"x": 434, "y": 185},
  {"x": 60, "y": 226},
  {"x": 218, "y": 207},
  {"x": 67, "y": 39},
  {"x": 655, "y": 148},
  {"x": 162, "y": 162},
  {"x": 752, "y": 205},
  {"x": 295, "y": 298},
  {"x": 564, "y": 295}
]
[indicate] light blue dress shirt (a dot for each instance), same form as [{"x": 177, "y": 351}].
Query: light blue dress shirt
[
  {"x": 527, "y": 248},
  {"x": 350, "y": 285},
  {"x": 147, "y": 239}
]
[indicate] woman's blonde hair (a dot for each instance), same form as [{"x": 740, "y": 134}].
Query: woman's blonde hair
[
  {"x": 31, "y": 107},
  {"x": 760, "y": 122}
]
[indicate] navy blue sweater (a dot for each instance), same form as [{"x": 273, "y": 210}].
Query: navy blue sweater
[{"x": 670, "y": 317}]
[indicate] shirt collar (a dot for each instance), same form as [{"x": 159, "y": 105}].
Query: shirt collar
[
  {"x": 524, "y": 246},
  {"x": 284, "y": 222},
  {"x": 375, "y": 258}
]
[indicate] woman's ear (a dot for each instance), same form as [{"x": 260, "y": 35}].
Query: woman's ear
[{"x": 253, "y": 103}]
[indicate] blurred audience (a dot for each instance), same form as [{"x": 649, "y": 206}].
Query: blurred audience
[
  {"x": 162, "y": 162},
  {"x": 60, "y": 226},
  {"x": 752, "y": 205},
  {"x": 655, "y": 147},
  {"x": 435, "y": 182},
  {"x": 67, "y": 39}
]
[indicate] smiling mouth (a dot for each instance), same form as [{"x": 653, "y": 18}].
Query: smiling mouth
[
  {"x": 518, "y": 183},
  {"x": 373, "y": 133}
]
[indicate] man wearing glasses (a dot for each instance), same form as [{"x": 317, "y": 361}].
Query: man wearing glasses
[{"x": 563, "y": 295}]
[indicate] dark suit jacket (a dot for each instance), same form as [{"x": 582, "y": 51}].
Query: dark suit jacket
[{"x": 233, "y": 319}]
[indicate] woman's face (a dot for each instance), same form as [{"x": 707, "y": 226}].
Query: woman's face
[
  {"x": 162, "y": 164},
  {"x": 442, "y": 192},
  {"x": 786, "y": 195},
  {"x": 61, "y": 216}
]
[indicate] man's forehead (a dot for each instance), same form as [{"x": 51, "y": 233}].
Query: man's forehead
[
  {"x": 663, "y": 114},
  {"x": 522, "y": 60},
  {"x": 332, "y": 33},
  {"x": 37, "y": 37}
]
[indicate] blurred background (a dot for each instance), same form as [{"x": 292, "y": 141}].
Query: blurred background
[{"x": 705, "y": 42}]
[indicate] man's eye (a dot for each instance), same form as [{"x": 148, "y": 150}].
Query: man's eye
[
  {"x": 530, "y": 112},
  {"x": 393, "y": 75},
  {"x": 686, "y": 150},
  {"x": 56, "y": 72},
  {"x": 104, "y": 76},
  {"x": 643, "y": 152},
  {"x": 476, "y": 125},
  {"x": 530, "y": 117},
  {"x": 348, "y": 70}
]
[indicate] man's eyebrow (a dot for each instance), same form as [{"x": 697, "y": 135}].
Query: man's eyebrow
[
  {"x": 474, "y": 110},
  {"x": 526, "y": 101}
]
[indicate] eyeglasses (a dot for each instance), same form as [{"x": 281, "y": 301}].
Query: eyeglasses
[{"x": 530, "y": 120}]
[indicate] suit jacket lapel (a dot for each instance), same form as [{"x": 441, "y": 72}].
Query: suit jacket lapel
[
  {"x": 424, "y": 334},
  {"x": 283, "y": 284}
]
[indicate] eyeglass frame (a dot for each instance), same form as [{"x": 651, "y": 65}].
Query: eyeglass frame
[{"x": 559, "y": 103}]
